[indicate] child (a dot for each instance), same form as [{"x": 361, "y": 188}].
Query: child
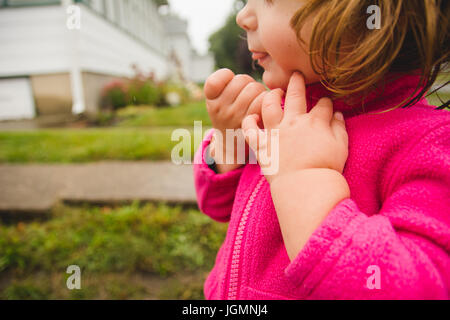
[{"x": 360, "y": 205}]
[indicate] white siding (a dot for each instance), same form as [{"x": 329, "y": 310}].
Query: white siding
[
  {"x": 97, "y": 6},
  {"x": 32, "y": 41},
  {"x": 114, "y": 35},
  {"x": 104, "y": 48},
  {"x": 35, "y": 40},
  {"x": 16, "y": 99}
]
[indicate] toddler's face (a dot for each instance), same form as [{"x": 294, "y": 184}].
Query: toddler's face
[{"x": 274, "y": 43}]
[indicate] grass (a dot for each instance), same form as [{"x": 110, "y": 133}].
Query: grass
[
  {"x": 140, "y": 133},
  {"x": 87, "y": 145},
  {"x": 126, "y": 252},
  {"x": 181, "y": 116}
]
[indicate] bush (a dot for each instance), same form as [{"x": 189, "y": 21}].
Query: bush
[
  {"x": 145, "y": 90},
  {"x": 144, "y": 93},
  {"x": 114, "y": 95}
]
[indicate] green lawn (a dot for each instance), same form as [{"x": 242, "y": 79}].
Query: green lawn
[
  {"x": 85, "y": 145},
  {"x": 139, "y": 133},
  {"x": 125, "y": 252},
  {"x": 181, "y": 116}
]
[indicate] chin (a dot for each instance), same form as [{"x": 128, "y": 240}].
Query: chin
[{"x": 274, "y": 81}]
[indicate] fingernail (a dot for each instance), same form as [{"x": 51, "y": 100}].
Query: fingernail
[{"x": 339, "y": 116}]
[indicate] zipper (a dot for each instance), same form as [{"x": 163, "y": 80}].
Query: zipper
[{"x": 234, "y": 273}]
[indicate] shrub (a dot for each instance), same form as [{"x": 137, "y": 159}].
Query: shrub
[
  {"x": 144, "y": 93},
  {"x": 145, "y": 90},
  {"x": 114, "y": 95}
]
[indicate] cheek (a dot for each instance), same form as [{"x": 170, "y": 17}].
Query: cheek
[
  {"x": 290, "y": 56},
  {"x": 282, "y": 44},
  {"x": 283, "y": 47},
  {"x": 280, "y": 41}
]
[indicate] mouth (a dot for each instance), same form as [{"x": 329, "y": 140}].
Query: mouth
[{"x": 260, "y": 57}]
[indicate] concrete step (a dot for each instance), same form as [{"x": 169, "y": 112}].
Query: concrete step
[{"x": 35, "y": 188}]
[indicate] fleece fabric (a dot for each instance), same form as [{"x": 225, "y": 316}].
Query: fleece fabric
[{"x": 389, "y": 240}]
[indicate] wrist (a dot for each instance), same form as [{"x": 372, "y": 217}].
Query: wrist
[
  {"x": 325, "y": 180},
  {"x": 221, "y": 164},
  {"x": 302, "y": 201},
  {"x": 232, "y": 152}
]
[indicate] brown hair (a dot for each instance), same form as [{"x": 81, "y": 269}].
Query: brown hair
[{"x": 352, "y": 59}]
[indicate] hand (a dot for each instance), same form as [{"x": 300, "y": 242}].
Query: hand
[
  {"x": 229, "y": 98},
  {"x": 305, "y": 140}
]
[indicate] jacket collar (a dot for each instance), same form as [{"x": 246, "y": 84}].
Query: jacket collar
[{"x": 392, "y": 91}]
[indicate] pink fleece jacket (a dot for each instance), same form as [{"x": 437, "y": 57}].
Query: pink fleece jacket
[{"x": 389, "y": 240}]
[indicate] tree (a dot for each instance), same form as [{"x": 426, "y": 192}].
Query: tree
[{"x": 229, "y": 47}]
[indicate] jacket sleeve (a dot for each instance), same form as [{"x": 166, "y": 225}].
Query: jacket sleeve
[
  {"x": 215, "y": 192},
  {"x": 400, "y": 253}
]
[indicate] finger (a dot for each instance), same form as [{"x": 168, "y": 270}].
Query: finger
[
  {"x": 234, "y": 88},
  {"x": 295, "y": 96},
  {"x": 271, "y": 108},
  {"x": 323, "y": 110},
  {"x": 248, "y": 95},
  {"x": 251, "y": 130},
  {"x": 217, "y": 82},
  {"x": 256, "y": 106},
  {"x": 339, "y": 128}
]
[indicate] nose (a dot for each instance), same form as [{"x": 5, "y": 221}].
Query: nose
[{"x": 246, "y": 19}]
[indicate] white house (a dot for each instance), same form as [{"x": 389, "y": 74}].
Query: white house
[{"x": 57, "y": 55}]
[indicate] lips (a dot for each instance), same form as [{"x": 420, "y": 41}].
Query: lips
[
  {"x": 260, "y": 58},
  {"x": 259, "y": 55}
]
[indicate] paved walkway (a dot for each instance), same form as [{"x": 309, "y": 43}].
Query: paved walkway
[
  {"x": 44, "y": 121},
  {"x": 36, "y": 187}
]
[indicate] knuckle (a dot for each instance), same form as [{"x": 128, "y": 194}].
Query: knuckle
[
  {"x": 227, "y": 115},
  {"x": 267, "y": 100},
  {"x": 215, "y": 82},
  {"x": 325, "y": 101},
  {"x": 210, "y": 80},
  {"x": 277, "y": 91},
  {"x": 243, "y": 78},
  {"x": 225, "y": 72},
  {"x": 271, "y": 96},
  {"x": 296, "y": 96},
  {"x": 252, "y": 86},
  {"x": 212, "y": 86},
  {"x": 222, "y": 74},
  {"x": 314, "y": 120},
  {"x": 291, "y": 122},
  {"x": 212, "y": 107},
  {"x": 258, "y": 85}
]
